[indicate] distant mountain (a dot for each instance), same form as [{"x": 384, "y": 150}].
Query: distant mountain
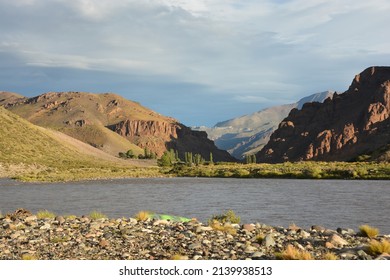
[
  {"x": 352, "y": 125},
  {"x": 111, "y": 123},
  {"x": 248, "y": 134}
]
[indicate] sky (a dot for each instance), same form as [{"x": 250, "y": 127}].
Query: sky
[{"x": 199, "y": 61}]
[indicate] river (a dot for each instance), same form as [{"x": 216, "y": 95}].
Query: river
[{"x": 277, "y": 202}]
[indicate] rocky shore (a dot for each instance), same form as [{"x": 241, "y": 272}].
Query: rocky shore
[{"x": 24, "y": 236}]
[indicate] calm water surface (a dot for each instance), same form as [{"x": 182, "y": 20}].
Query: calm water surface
[{"x": 331, "y": 203}]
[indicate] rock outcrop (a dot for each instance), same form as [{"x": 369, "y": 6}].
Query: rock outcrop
[
  {"x": 159, "y": 136},
  {"x": 340, "y": 129},
  {"x": 111, "y": 123},
  {"x": 247, "y": 135}
]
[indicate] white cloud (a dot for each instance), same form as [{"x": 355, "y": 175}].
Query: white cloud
[{"x": 247, "y": 48}]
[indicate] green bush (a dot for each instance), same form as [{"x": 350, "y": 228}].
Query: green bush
[
  {"x": 228, "y": 217},
  {"x": 45, "y": 214},
  {"x": 95, "y": 215}
]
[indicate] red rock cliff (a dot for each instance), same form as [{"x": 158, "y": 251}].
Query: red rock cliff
[
  {"x": 158, "y": 136},
  {"x": 351, "y": 124}
]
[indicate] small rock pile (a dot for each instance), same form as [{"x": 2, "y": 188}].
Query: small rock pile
[{"x": 24, "y": 236}]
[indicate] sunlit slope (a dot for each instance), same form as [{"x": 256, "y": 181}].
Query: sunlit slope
[{"x": 43, "y": 153}]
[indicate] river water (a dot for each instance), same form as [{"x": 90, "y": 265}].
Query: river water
[{"x": 277, "y": 202}]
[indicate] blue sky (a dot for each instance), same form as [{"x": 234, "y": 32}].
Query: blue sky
[{"x": 199, "y": 61}]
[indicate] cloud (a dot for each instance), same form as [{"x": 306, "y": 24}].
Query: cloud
[{"x": 231, "y": 50}]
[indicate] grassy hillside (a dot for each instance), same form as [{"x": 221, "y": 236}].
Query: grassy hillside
[
  {"x": 84, "y": 116},
  {"x": 29, "y": 152}
]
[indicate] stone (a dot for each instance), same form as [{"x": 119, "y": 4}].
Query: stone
[
  {"x": 257, "y": 255},
  {"x": 318, "y": 228},
  {"x": 104, "y": 243},
  {"x": 345, "y": 231},
  {"x": 45, "y": 226},
  {"x": 30, "y": 219},
  {"x": 249, "y": 227},
  {"x": 363, "y": 255},
  {"x": 195, "y": 246},
  {"x": 304, "y": 234},
  {"x": 329, "y": 245},
  {"x": 203, "y": 229},
  {"x": 161, "y": 222},
  {"x": 269, "y": 241},
  {"x": 383, "y": 257},
  {"x": 60, "y": 219},
  {"x": 337, "y": 241},
  {"x": 250, "y": 249}
]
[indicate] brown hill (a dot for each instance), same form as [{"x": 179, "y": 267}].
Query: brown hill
[
  {"x": 111, "y": 123},
  {"x": 349, "y": 125}
]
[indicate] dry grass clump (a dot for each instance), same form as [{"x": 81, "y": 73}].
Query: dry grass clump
[
  {"x": 45, "y": 214},
  {"x": 95, "y": 215},
  {"x": 259, "y": 238},
  {"x": 70, "y": 217},
  {"x": 378, "y": 247},
  {"x": 292, "y": 253},
  {"x": 28, "y": 257},
  {"x": 178, "y": 257},
  {"x": 368, "y": 231},
  {"x": 329, "y": 256},
  {"x": 143, "y": 215}
]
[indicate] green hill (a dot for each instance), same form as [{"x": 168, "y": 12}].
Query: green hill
[{"x": 30, "y": 152}]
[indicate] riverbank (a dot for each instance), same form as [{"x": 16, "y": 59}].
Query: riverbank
[
  {"x": 287, "y": 170},
  {"x": 27, "y": 236}
]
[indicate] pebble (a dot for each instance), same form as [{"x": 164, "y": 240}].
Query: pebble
[
  {"x": 127, "y": 239},
  {"x": 269, "y": 241}
]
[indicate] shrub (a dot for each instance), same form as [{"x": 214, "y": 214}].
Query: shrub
[
  {"x": 142, "y": 216},
  {"x": 178, "y": 257},
  {"x": 70, "y": 217},
  {"x": 292, "y": 253},
  {"x": 45, "y": 214},
  {"x": 259, "y": 238},
  {"x": 228, "y": 217},
  {"x": 28, "y": 257},
  {"x": 329, "y": 256},
  {"x": 378, "y": 247},
  {"x": 368, "y": 231},
  {"x": 95, "y": 215}
]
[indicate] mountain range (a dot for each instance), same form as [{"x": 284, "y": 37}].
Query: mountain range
[
  {"x": 111, "y": 123},
  {"x": 248, "y": 134},
  {"x": 353, "y": 125}
]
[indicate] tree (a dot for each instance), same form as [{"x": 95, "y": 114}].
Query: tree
[
  {"x": 197, "y": 159},
  {"x": 165, "y": 160},
  {"x": 254, "y": 160},
  {"x": 130, "y": 154},
  {"x": 188, "y": 158},
  {"x": 248, "y": 159},
  {"x": 211, "y": 158}
]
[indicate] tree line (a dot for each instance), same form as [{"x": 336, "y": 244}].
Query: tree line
[
  {"x": 130, "y": 154},
  {"x": 171, "y": 157}
]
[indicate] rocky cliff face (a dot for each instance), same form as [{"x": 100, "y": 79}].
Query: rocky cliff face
[
  {"x": 247, "y": 135},
  {"x": 100, "y": 120},
  {"x": 158, "y": 136},
  {"x": 353, "y": 123}
]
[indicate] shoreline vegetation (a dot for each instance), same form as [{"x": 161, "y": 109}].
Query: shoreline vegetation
[
  {"x": 88, "y": 170},
  {"x": 47, "y": 236}
]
